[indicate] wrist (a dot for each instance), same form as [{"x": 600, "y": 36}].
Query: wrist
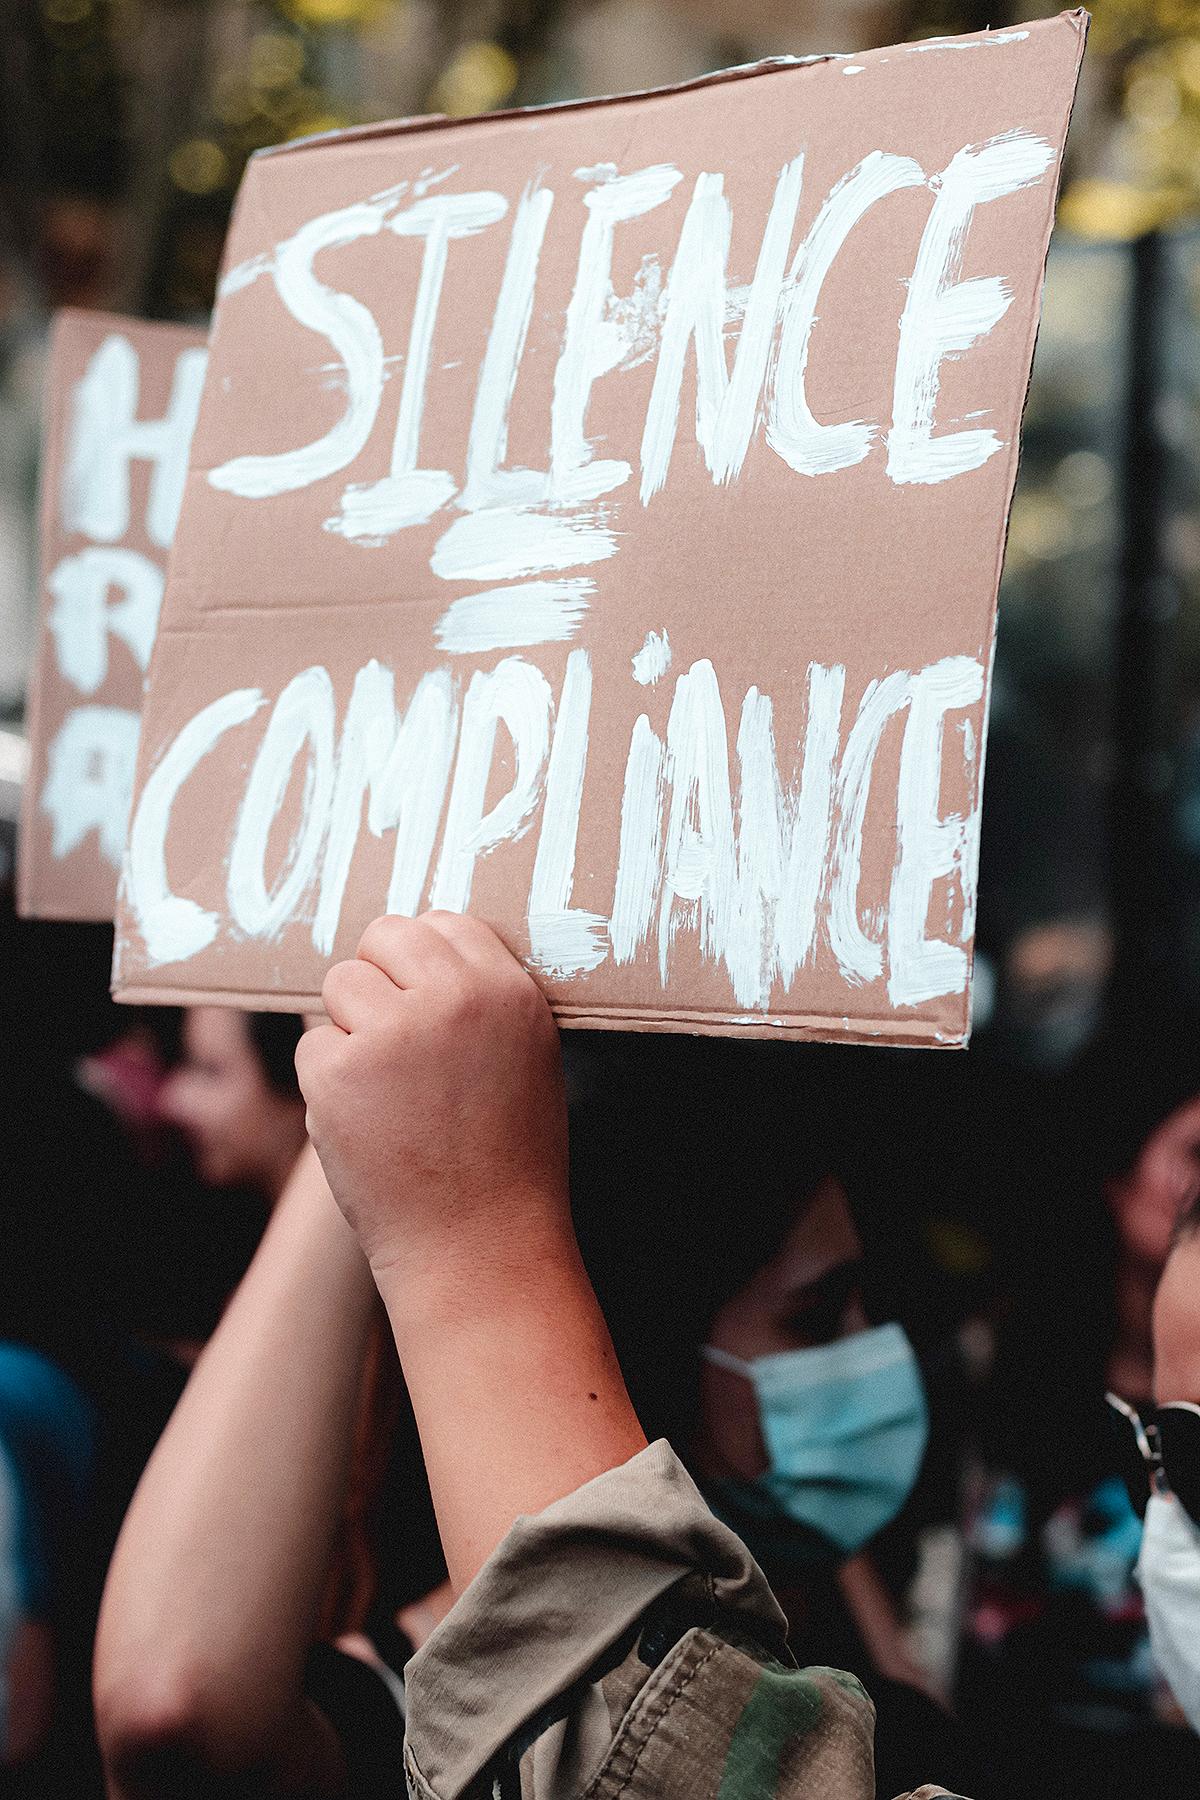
[
  {"x": 455, "y": 1275},
  {"x": 318, "y": 1244}
]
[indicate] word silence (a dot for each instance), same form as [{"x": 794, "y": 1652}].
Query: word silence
[
  {"x": 121, "y": 403},
  {"x": 595, "y": 515}
]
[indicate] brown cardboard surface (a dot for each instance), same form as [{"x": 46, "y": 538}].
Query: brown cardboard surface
[
  {"x": 120, "y": 404},
  {"x": 595, "y": 519}
]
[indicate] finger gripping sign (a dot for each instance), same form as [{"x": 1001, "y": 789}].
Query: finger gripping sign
[
  {"x": 121, "y": 403},
  {"x": 594, "y": 521}
]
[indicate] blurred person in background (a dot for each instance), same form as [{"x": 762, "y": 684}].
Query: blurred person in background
[
  {"x": 1164, "y": 1432},
  {"x": 117, "y": 1264},
  {"x": 1060, "y": 1679},
  {"x": 760, "y": 1318},
  {"x": 47, "y": 1466},
  {"x": 234, "y": 1097},
  {"x": 217, "y": 1655}
]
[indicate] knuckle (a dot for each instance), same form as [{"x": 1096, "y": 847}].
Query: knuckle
[
  {"x": 451, "y": 927},
  {"x": 334, "y": 983},
  {"x": 308, "y": 1066},
  {"x": 384, "y": 936}
]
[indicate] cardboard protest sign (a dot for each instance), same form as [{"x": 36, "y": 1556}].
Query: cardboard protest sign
[
  {"x": 594, "y": 521},
  {"x": 121, "y": 404}
]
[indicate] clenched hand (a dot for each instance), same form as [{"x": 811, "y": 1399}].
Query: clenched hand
[{"x": 435, "y": 1099}]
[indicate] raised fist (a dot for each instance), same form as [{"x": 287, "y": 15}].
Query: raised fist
[{"x": 435, "y": 1099}]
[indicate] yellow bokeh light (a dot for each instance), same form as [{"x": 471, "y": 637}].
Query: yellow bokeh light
[
  {"x": 1041, "y": 527},
  {"x": 1187, "y": 62},
  {"x": 1152, "y": 99},
  {"x": 1119, "y": 210},
  {"x": 1083, "y": 479},
  {"x": 275, "y": 59},
  {"x": 321, "y": 14},
  {"x": 480, "y": 76},
  {"x": 199, "y": 166}
]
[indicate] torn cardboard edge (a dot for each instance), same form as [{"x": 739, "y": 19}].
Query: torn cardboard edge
[{"x": 890, "y": 1032}]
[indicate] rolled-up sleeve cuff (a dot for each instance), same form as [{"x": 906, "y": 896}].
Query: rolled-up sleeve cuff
[{"x": 557, "y": 1594}]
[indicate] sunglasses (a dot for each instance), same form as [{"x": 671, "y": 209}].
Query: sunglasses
[{"x": 1167, "y": 1458}]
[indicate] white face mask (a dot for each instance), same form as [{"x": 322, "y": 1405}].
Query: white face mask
[{"x": 1169, "y": 1573}]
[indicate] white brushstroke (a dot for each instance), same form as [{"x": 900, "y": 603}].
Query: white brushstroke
[
  {"x": 407, "y": 797},
  {"x": 980, "y": 43},
  {"x": 565, "y": 941},
  {"x": 859, "y": 957},
  {"x": 696, "y": 298},
  {"x": 302, "y": 719},
  {"x": 517, "y": 695},
  {"x": 930, "y": 847},
  {"x": 593, "y": 343},
  {"x": 351, "y": 329},
  {"x": 514, "y": 618},
  {"x": 639, "y": 857},
  {"x": 89, "y": 782},
  {"x": 505, "y": 543},
  {"x": 944, "y": 316},
  {"x": 368, "y": 734},
  {"x": 652, "y": 661},
  {"x": 409, "y": 495},
  {"x": 173, "y": 927},
  {"x": 245, "y": 274},
  {"x": 751, "y": 947},
  {"x": 698, "y": 852},
  {"x": 792, "y": 431},
  {"x": 488, "y": 484},
  {"x": 854, "y": 69},
  {"x": 82, "y": 617},
  {"x": 812, "y": 822},
  {"x": 431, "y": 177},
  {"x": 105, "y": 435},
  {"x": 372, "y": 510},
  {"x": 401, "y": 768}
]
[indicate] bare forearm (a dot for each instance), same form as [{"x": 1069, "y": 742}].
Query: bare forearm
[
  {"x": 436, "y": 1098},
  {"x": 212, "y": 1596},
  {"x": 515, "y": 1385}
]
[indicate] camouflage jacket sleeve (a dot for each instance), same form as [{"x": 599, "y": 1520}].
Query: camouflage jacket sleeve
[{"x": 625, "y": 1643}]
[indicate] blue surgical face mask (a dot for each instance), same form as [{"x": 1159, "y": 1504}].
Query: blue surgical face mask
[{"x": 845, "y": 1428}]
